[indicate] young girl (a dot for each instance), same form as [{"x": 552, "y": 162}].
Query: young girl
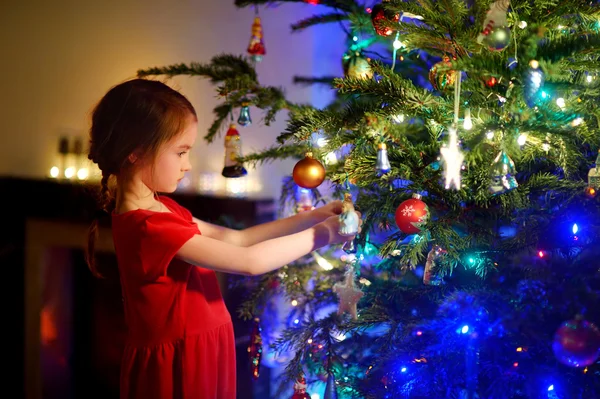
[{"x": 180, "y": 340}]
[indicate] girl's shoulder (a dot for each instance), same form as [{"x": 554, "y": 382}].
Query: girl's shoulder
[
  {"x": 141, "y": 222},
  {"x": 175, "y": 207}
]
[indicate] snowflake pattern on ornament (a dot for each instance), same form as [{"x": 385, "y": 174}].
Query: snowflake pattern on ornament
[{"x": 408, "y": 210}]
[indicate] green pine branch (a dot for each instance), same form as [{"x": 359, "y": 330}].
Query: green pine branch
[{"x": 318, "y": 20}]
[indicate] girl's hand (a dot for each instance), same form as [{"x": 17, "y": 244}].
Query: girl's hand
[
  {"x": 332, "y": 208},
  {"x": 332, "y": 225}
]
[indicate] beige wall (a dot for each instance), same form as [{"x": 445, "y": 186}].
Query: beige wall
[{"x": 60, "y": 57}]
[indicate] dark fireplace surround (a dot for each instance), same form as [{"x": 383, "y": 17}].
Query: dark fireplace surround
[{"x": 67, "y": 327}]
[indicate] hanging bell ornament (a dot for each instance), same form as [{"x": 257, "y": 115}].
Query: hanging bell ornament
[
  {"x": 308, "y": 172},
  {"x": 244, "y": 119},
  {"x": 502, "y": 174},
  {"x": 594, "y": 175},
  {"x": 382, "y": 19},
  {"x": 383, "y": 163},
  {"x": 255, "y": 348},
  {"x": 233, "y": 151},
  {"x": 300, "y": 389},
  {"x": 349, "y": 219},
  {"x": 534, "y": 80},
  {"x": 330, "y": 388},
  {"x": 442, "y": 80},
  {"x": 256, "y": 47},
  {"x": 356, "y": 66}
]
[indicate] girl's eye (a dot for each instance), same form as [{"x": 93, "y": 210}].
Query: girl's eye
[{"x": 181, "y": 153}]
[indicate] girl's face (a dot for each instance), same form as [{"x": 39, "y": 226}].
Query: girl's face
[{"x": 172, "y": 161}]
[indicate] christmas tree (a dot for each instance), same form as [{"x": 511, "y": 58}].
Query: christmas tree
[{"x": 467, "y": 133}]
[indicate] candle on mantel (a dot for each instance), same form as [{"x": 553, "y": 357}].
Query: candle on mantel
[
  {"x": 81, "y": 165},
  {"x": 73, "y": 164},
  {"x": 72, "y": 161},
  {"x": 60, "y": 163}
]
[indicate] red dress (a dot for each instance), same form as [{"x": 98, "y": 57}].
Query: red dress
[{"x": 180, "y": 336}]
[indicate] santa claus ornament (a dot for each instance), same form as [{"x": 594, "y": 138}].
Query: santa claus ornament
[
  {"x": 496, "y": 33},
  {"x": 412, "y": 215},
  {"x": 300, "y": 389},
  {"x": 233, "y": 151}
]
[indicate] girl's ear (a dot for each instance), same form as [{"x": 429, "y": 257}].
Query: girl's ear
[{"x": 134, "y": 156}]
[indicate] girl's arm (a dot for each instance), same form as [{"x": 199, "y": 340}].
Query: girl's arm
[
  {"x": 262, "y": 257},
  {"x": 274, "y": 229}
]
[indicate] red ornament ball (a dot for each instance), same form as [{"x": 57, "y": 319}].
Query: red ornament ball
[
  {"x": 491, "y": 81},
  {"x": 381, "y": 19},
  {"x": 577, "y": 343},
  {"x": 412, "y": 215}
]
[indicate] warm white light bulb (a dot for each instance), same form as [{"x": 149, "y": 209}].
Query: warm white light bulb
[
  {"x": 54, "y": 172},
  {"x": 70, "y": 172},
  {"x": 577, "y": 122},
  {"x": 468, "y": 123},
  {"x": 82, "y": 174},
  {"x": 331, "y": 158},
  {"x": 398, "y": 118}
]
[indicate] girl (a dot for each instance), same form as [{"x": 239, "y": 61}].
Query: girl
[{"x": 180, "y": 340}]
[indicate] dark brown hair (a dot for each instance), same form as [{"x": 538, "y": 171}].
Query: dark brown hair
[{"x": 137, "y": 116}]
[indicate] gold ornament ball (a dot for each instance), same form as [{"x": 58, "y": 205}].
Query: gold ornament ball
[
  {"x": 356, "y": 66},
  {"x": 308, "y": 172},
  {"x": 442, "y": 80}
]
